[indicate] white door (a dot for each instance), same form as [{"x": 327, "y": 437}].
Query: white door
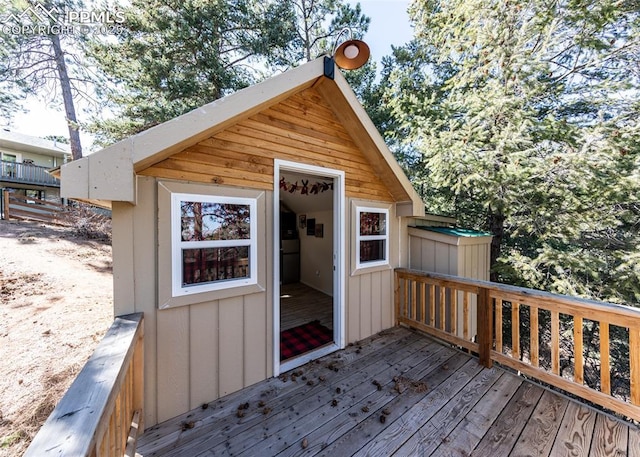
[{"x": 338, "y": 268}]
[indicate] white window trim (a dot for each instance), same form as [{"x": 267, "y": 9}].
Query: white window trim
[
  {"x": 177, "y": 244},
  {"x": 385, "y": 237}
]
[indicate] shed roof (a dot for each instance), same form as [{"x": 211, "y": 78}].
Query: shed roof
[{"x": 109, "y": 174}]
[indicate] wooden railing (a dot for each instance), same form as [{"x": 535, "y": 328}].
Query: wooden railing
[
  {"x": 101, "y": 413},
  {"x": 587, "y": 348},
  {"x": 26, "y": 173},
  {"x": 33, "y": 209}
]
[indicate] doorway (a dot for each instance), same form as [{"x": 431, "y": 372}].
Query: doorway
[{"x": 308, "y": 266}]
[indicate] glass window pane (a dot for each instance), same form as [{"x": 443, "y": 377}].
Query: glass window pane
[
  {"x": 371, "y": 251},
  {"x": 206, "y": 221},
  {"x": 214, "y": 264},
  {"x": 373, "y": 224}
]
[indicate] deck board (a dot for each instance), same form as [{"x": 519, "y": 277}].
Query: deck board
[
  {"x": 574, "y": 436},
  {"x": 538, "y": 435},
  {"x": 609, "y": 438},
  {"x": 463, "y": 439},
  {"x": 434, "y": 400},
  {"x": 502, "y": 435}
]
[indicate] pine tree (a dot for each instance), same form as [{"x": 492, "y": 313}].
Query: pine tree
[
  {"x": 317, "y": 25},
  {"x": 44, "y": 64},
  {"x": 174, "y": 56},
  {"x": 521, "y": 119}
]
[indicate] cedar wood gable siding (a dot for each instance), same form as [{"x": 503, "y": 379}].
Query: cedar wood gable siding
[{"x": 301, "y": 129}]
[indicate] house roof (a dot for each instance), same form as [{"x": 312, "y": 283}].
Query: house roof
[
  {"x": 109, "y": 174},
  {"x": 27, "y": 143}
]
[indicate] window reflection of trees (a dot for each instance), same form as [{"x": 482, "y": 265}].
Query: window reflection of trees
[
  {"x": 204, "y": 221},
  {"x": 207, "y": 221},
  {"x": 372, "y": 224}
]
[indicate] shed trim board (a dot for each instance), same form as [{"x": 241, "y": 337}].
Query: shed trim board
[{"x": 339, "y": 303}]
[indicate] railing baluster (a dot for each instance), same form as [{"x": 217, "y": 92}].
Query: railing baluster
[
  {"x": 634, "y": 364},
  {"x": 465, "y": 316},
  {"x": 453, "y": 318},
  {"x": 498, "y": 336},
  {"x": 112, "y": 436},
  {"x": 407, "y": 298},
  {"x": 578, "y": 366},
  {"x": 396, "y": 296},
  {"x": 432, "y": 305},
  {"x": 533, "y": 336},
  {"x": 515, "y": 329},
  {"x": 443, "y": 302},
  {"x": 605, "y": 367},
  {"x": 423, "y": 303},
  {"x": 555, "y": 342},
  {"x": 413, "y": 313}
]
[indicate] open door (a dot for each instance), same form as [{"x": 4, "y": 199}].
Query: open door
[{"x": 308, "y": 284}]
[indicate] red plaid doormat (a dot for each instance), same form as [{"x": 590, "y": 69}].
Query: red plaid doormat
[{"x": 304, "y": 338}]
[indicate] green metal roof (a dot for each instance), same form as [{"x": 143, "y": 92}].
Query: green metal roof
[{"x": 454, "y": 231}]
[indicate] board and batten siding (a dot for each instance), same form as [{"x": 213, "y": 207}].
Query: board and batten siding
[
  {"x": 370, "y": 290},
  {"x": 196, "y": 353},
  {"x": 202, "y": 351},
  {"x": 300, "y": 129},
  {"x": 446, "y": 254},
  {"x": 199, "y": 352}
]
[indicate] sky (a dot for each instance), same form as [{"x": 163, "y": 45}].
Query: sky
[{"x": 389, "y": 26}]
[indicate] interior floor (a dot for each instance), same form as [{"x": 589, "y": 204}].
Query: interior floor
[{"x": 300, "y": 304}]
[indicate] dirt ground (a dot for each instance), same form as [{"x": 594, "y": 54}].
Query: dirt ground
[{"x": 55, "y": 305}]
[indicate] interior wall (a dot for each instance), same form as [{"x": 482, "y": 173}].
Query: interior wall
[{"x": 316, "y": 254}]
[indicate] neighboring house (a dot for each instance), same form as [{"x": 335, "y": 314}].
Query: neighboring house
[
  {"x": 277, "y": 205},
  {"x": 24, "y": 164}
]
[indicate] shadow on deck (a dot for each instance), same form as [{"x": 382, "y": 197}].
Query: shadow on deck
[{"x": 396, "y": 393}]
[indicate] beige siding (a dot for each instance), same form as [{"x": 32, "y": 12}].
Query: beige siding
[
  {"x": 196, "y": 353},
  {"x": 231, "y": 345},
  {"x": 134, "y": 257},
  {"x": 203, "y": 353},
  {"x": 173, "y": 362},
  {"x": 369, "y": 304},
  {"x": 258, "y": 332},
  {"x": 474, "y": 261},
  {"x": 370, "y": 290}
]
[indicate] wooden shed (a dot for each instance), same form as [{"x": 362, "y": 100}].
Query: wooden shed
[{"x": 256, "y": 233}]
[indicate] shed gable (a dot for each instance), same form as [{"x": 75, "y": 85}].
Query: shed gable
[{"x": 303, "y": 128}]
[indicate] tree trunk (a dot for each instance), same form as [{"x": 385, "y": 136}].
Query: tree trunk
[
  {"x": 496, "y": 226},
  {"x": 67, "y": 97}
]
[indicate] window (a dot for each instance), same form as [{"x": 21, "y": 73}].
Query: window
[
  {"x": 372, "y": 241},
  {"x": 9, "y": 164},
  {"x": 213, "y": 243}
]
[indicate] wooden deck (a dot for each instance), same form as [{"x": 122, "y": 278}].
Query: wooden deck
[{"x": 398, "y": 393}]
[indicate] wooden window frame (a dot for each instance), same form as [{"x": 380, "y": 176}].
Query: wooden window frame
[{"x": 177, "y": 245}]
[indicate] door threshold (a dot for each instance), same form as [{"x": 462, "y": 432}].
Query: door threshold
[{"x": 307, "y": 357}]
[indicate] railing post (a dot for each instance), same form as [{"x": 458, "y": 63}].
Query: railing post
[
  {"x": 396, "y": 293},
  {"x": 485, "y": 327},
  {"x": 5, "y": 199}
]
